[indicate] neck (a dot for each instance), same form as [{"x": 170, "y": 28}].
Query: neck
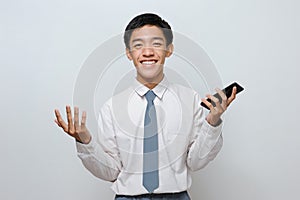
[{"x": 150, "y": 83}]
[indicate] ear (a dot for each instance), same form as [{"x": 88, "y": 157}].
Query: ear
[
  {"x": 128, "y": 54},
  {"x": 170, "y": 49}
]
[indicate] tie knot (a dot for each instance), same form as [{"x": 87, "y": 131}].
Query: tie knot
[{"x": 150, "y": 96}]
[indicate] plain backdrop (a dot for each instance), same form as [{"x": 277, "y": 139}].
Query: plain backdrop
[{"x": 43, "y": 45}]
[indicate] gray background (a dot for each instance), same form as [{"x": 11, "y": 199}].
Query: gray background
[{"x": 43, "y": 44}]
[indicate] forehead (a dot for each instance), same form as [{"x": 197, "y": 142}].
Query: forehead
[{"x": 147, "y": 32}]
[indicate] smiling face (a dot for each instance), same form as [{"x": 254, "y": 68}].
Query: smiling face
[{"x": 148, "y": 50}]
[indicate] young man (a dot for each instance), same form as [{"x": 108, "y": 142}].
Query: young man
[{"x": 153, "y": 134}]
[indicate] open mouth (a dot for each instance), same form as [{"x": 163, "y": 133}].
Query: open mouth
[{"x": 148, "y": 62}]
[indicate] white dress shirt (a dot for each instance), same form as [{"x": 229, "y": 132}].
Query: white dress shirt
[{"x": 186, "y": 141}]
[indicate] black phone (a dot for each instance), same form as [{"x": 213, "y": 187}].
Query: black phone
[{"x": 227, "y": 91}]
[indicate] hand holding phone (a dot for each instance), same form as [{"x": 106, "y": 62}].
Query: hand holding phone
[{"x": 227, "y": 91}]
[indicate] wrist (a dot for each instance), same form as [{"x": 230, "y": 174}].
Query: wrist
[
  {"x": 84, "y": 140},
  {"x": 214, "y": 123}
]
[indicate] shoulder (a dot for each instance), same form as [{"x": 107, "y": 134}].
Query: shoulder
[
  {"x": 119, "y": 99},
  {"x": 183, "y": 91},
  {"x": 189, "y": 99}
]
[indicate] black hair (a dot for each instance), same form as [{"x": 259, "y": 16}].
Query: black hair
[{"x": 148, "y": 19}]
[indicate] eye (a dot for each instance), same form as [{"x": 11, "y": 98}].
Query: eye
[
  {"x": 137, "y": 46},
  {"x": 157, "y": 44}
]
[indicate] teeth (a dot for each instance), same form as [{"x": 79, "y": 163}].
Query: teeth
[{"x": 148, "y": 62}]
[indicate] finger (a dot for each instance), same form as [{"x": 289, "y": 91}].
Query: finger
[
  {"x": 214, "y": 99},
  {"x": 207, "y": 103},
  {"x": 83, "y": 119},
  {"x": 57, "y": 115},
  {"x": 60, "y": 122},
  {"x": 76, "y": 119},
  {"x": 70, "y": 120},
  {"x": 223, "y": 97},
  {"x": 232, "y": 97},
  {"x": 218, "y": 106}
]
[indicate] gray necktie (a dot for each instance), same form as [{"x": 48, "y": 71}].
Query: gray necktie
[{"x": 150, "y": 156}]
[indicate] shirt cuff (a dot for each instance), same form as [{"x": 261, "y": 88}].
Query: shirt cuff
[
  {"x": 213, "y": 132},
  {"x": 86, "y": 148}
]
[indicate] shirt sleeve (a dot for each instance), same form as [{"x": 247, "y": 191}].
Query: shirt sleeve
[
  {"x": 101, "y": 156},
  {"x": 206, "y": 140}
]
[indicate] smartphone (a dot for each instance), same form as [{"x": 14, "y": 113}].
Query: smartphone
[{"x": 227, "y": 91}]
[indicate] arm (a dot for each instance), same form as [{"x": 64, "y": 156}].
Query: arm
[
  {"x": 101, "y": 157},
  {"x": 98, "y": 154},
  {"x": 207, "y": 140}
]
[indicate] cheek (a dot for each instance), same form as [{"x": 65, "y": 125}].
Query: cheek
[
  {"x": 135, "y": 56},
  {"x": 163, "y": 53}
]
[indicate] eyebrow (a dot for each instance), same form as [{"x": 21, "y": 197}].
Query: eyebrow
[{"x": 154, "y": 38}]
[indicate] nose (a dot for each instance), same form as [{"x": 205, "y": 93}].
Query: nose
[{"x": 148, "y": 51}]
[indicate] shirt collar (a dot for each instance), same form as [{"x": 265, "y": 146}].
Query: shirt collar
[{"x": 159, "y": 90}]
